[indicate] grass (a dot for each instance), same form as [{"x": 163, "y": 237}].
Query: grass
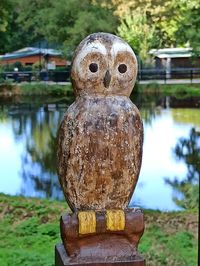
[
  {"x": 29, "y": 230},
  {"x": 178, "y": 90},
  {"x": 170, "y": 238},
  {"x": 31, "y": 89},
  {"x": 44, "y": 89}
]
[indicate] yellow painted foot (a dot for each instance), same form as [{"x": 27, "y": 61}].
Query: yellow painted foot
[
  {"x": 115, "y": 220},
  {"x": 87, "y": 222}
]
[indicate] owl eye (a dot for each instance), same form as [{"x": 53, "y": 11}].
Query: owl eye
[
  {"x": 122, "y": 68},
  {"x": 93, "y": 67}
]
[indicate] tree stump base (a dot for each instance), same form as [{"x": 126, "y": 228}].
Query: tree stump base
[{"x": 101, "y": 238}]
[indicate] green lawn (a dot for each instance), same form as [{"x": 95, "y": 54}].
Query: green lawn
[
  {"x": 31, "y": 89},
  {"x": 29, "y": 229},
  {"x": 178, "y": 90}
]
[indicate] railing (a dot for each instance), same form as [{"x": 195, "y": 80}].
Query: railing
[
  {"x": 143, "y": 75},
  {"x": 174, "y": 73},
  {"x": 29, "y": 76}
]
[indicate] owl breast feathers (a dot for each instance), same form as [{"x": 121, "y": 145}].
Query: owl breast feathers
[{"x": 100, "y": 148}]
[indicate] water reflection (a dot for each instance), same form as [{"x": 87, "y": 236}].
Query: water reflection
[
  {"x": 37, "y": 129},
  {"x": 28, "y": 149},
  {"x": 187, "y": 189},
  {"x": 40, "y": 150}
]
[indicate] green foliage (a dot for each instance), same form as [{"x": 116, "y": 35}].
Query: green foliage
[
  {"x": 189, "y": 30},
  {"x": 136, "y": 31},
  {"x": 69, "y": 23},
  {"x": 177, "y": 90},
  {"x": 44, "y": 89},
  {"x": 166, "y": 16},
  {"x": 6, "y": 86},
  {"x": 14, "y": 36},
  {"x": 36, "y": 89},
  {"x": 10, "y": 67},
  {"x": 39, "y": 88},
  {"x": 173, "y": 23},
  {"x": 61, "y": 22},
  {"x": 5, "y": 8},
  {"x": 144, "y": 24},
  {"x": 38, "y": 65},
  {"x": 162, "y": 17},
  {"x": 18, "y": 65}
]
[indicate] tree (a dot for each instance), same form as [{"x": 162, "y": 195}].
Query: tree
[
  {"x": 21, "y": 29},
  {"x": 189, "y": 28},
  {"x": 158, "y": 23},
  {"x": 5, "y": 13},
  {"x": 164, "y": 16},
  {"x": 69, "y": 22},
  {"x": 30, "y": 15},
  {"x": 61, "y": 22},
  {"x": 5, "y": 6},
  {"x": 136, "y": 31}
]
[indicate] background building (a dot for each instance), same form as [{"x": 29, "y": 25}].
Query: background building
[
  {"x": 28, "y": 56},
  {"x": 175, "y": 58}
]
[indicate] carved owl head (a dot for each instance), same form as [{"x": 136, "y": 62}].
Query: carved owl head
[{"x": 103, "y": 64}]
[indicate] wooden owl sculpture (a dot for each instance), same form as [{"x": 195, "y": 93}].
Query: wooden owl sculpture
[{"x": 100, "y": 138}]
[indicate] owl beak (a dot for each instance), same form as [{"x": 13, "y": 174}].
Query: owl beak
[{"x": 107, "y": 79}]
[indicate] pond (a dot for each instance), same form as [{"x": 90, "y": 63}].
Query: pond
[{"x": 171, "y": 134}]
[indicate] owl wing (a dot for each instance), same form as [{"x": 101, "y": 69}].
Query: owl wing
[{"x": 65, "y": 134}]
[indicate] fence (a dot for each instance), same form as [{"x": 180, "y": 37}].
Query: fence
[
  {"x": 143, "y": 74},
  {"x": 29, "y": 76},
  {"x": 174, "y": 73}
]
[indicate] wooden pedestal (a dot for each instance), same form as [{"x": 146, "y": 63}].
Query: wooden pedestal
[
  {"x": 62, "y": 259},
  {"x": 106, "y": 245}
]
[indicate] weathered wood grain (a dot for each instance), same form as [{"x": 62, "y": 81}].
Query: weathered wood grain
[
  {"x": 99, "y": 150},
  {"x": 100, "y": 138}
]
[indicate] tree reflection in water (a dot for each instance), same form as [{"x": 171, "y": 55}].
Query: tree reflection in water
[
  {"x": 38, "y": 128},
  {"x": 149, "y": 106},
  {"x": 187, "y": 190}
]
